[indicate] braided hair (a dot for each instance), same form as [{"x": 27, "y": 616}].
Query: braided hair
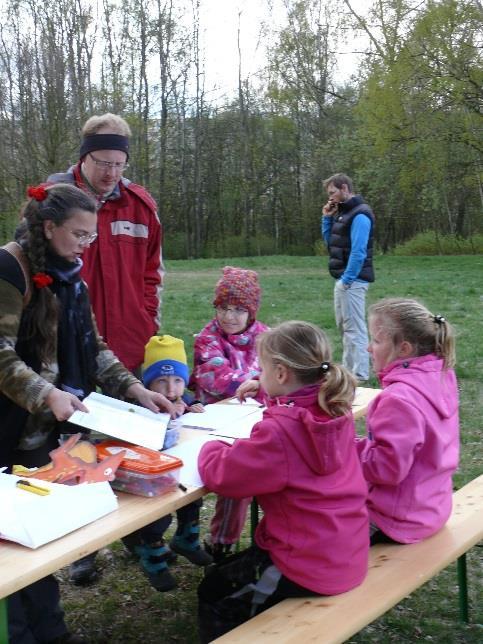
[{"x": 57, "y": 203}]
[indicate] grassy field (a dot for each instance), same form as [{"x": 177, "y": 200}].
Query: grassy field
[{"x": 121, "y": 606}]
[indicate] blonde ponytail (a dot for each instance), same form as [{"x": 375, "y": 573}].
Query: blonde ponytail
[{"x": 305, "y": 349}]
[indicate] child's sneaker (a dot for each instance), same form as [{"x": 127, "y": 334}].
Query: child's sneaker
[
  {"x": 186, "y": 542},
  {"x": 154, "y": 561},
  {"x": 131, "y": 541}
]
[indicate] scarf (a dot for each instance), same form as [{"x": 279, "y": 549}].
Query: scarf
[{"x": 76, "y": 339}]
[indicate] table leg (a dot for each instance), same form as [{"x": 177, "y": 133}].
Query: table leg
[
  {"x": 463, "y": 588},
  {"x": 3, "y": 621}
]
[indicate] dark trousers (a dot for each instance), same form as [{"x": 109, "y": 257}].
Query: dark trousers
[
  {"x": 34, "y": 613},
  {"x": 227, "y": 594},
  {"x": 155, "y": 531}
]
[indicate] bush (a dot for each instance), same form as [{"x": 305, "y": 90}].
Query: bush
[{"x": 430, "y": 244}]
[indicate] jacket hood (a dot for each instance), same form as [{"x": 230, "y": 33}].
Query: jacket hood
[
  {"x": 425, "y": 374},
  {"x": 315, "y": 435}
]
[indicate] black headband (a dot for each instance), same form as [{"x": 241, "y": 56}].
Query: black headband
[{"x": 95, "y": 142}]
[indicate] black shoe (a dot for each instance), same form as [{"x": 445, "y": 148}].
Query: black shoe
[
  {"x": 162, "y": 580},
  {"x": 218, "y": 551},
  {"x": 83, "y": 571},
  {"x": 68, "y": 638}
]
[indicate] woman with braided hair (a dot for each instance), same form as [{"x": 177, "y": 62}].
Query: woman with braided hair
[{"x": 51, "y": 356}]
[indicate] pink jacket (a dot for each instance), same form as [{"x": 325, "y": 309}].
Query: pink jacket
[
  {"x": 302, "y": 466},
  {"x": 412, "y": 448},
  {"x": 222, "y": 362}
]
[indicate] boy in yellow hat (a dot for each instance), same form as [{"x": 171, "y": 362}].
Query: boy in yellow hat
[{"x": 165, "y": 369}]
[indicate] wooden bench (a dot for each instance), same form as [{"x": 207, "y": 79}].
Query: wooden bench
[{"x": 395, "y": 571}]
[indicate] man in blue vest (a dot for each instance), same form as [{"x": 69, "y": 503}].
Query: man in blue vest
[{"x": 348, "y": 230}]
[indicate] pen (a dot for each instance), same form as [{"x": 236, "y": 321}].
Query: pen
[
  {"x": 182, "y": 487},
  {"x": 30, "y": 487}
]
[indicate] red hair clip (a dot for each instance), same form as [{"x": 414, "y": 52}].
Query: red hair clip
[
  {"x": 39, "y": 193},
  {"x": 41, "y": 280}
]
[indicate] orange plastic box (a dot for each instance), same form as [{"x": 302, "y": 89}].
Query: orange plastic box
[{"x": 143, "y": 471}]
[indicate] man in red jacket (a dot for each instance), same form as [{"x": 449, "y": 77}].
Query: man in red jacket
[{"x": 123, "y": 267}]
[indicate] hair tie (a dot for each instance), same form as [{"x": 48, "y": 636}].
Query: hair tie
[
  {"x": 39, "y": 193},
  {"x": 325, "y": 366},
  {"x": 41, "y": 280},
  {"x": 439, "y": 319}
]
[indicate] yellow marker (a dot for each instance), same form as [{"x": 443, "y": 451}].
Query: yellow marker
[{"x": 30, "y": 487}]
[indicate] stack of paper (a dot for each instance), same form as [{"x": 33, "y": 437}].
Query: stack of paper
[{"x": 122, "y": 420}]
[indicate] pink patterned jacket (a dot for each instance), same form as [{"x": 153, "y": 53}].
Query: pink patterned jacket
[{"x": 222, "y": 362}]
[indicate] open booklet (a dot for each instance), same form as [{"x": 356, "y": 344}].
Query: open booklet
[
  {"x": 122, "y": 420},
  {"x": 220, "y": 417},
  {"x": 221, "y": 421}
]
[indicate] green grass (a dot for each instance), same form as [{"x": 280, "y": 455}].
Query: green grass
[{"x": 122, "y": 607}]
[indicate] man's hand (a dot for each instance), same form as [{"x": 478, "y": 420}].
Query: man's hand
[{"x": 330, "y": 208}]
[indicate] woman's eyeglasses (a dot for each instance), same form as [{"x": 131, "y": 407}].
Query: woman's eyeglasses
[{"x": 83, "y": 238}]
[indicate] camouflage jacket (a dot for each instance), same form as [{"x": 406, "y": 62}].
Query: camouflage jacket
[{"x": 21, "y": 384}]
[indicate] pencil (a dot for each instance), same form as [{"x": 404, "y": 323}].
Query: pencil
[{"x": 30, "y": 487}]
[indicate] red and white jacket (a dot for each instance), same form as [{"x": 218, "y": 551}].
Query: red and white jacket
[{"x": 123, "y": 268}]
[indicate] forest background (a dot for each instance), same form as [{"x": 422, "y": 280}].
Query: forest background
[{"x": 243, "y": 175}]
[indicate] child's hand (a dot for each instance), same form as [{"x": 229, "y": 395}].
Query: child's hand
[
  {"x": 247, "y": 389},
  {"x": 180, "y": 406},
  {"x": 196, "y": 407},
  {"x": 151, "y": 399}
]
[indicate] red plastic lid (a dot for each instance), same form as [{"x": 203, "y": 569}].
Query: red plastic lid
[{"x": 139, "y": 459}]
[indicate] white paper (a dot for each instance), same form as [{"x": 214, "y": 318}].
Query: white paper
[
  {"x": 219, "y": 417},
  {"x": 32, "y": 520},
  {"x": 188, "y": 451},
  {"x": 131, "y": 423},
  {"x": 247, "y": 401}
]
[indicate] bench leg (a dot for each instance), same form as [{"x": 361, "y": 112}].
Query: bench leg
[
  {"x": 3, "y": 621},
  {"x": 463, "y": 588},
  {"x": 253, "y": 518}
]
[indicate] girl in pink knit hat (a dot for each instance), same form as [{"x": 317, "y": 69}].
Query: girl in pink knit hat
[{"x": 224, "y": 358}]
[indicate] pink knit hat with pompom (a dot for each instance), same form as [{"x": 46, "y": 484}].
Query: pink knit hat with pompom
[{"x": 239, "y": 287}]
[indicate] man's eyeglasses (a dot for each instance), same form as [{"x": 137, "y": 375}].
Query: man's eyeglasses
[
  {"x": 234, "y": 310},
  {"x": 84, "y": 239},
  {"x": 119, "y": 166}
]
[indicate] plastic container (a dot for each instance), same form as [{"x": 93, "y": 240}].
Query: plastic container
[{"x": 143, "y": 471}]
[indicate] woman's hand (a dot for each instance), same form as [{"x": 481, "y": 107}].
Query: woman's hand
[
  {"x": 151, "y": 400},
  {"x": 63, "y": 404},
  {"x": 247, "y": 389}
]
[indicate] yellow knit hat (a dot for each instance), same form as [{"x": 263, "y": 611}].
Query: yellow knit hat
[{"x": 164, "y": 355}]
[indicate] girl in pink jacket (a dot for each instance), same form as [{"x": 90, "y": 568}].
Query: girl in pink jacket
[
  {"x": 301, "y": 463},
  {"x": 225, "y": 357},
  {"x": 412, "y": 446}
]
